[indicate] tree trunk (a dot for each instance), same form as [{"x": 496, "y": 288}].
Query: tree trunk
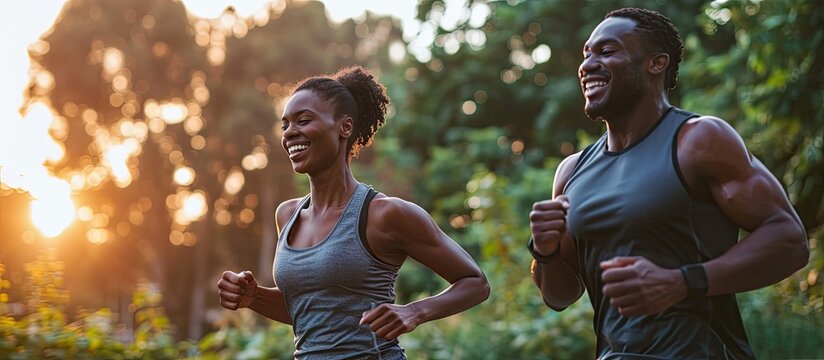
[
  {"x": 199, "y": 286},
  {"x": 277, "y": 185}
]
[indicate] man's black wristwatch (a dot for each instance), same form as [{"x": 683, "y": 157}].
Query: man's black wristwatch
[
  {"x": 541, "y": 258},
  {"x": 696, "y": 280}
]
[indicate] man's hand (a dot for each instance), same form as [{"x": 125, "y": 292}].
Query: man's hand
[
  {"x": 390, "y": 321},
  {"x": 548, "y": 224},
  {"x": 636, "y": 286},
  {"x": 237, "y": 290}
]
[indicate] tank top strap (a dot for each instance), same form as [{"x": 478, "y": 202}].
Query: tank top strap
[{"x": 302, "y": 204}]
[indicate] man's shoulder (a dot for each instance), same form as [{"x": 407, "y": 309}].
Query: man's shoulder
[
  {"x": 709, "y": 147},
  {"x": 707, "y": 129}
]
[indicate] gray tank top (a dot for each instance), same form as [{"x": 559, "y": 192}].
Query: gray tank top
[
  {"x": 634, "y": 203},
  {"x": 328, "y": 286}
]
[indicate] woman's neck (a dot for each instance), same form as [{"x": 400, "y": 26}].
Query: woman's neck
[{"x": 332, "y": 188}]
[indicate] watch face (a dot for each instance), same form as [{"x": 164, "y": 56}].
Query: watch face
[{"x": 696, "y": 280}]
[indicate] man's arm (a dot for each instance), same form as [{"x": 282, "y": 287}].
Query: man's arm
[
  {"x": 555, "y": 274},
  {"x": 717, "y": 165}
]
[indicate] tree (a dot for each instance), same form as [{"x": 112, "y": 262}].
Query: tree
[{"x": 169, "y": 124}]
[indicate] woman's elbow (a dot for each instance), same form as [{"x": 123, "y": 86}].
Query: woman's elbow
[{"x": 484, "y": 289}]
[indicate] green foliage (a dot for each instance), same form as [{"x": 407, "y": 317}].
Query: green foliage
[
  {"x": 474, "y": 138},
  {"x": 45, "y": 333},
  {"x": 756, "y": 64},
  {"x": 246, "y": 342},
  {"x": 759, "y": 65}
]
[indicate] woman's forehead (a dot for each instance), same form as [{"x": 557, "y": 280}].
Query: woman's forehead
[{"x": 306, "y": 99}]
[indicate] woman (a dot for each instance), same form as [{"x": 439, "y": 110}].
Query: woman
[{"x": 340, "y": 247}]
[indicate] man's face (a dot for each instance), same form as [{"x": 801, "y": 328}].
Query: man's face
[{"x": 612, "y": 69}]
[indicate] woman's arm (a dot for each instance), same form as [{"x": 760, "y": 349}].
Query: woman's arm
[
  {"x": 398, "y": 228},
  {"x": 240, "y": 290}
]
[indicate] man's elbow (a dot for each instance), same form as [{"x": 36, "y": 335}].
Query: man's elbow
[
  {"x": 803, "y": 253},
  {"x": 799, "y": 248},
  {"x": 554, "y": 306}
]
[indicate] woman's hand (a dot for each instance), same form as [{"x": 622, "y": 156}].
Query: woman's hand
[
  {"x": 390, "y": 321},
  {"x": 237, "y": 290}
]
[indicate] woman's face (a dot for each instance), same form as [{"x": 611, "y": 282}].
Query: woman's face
[{"x": 312, "y": 138}]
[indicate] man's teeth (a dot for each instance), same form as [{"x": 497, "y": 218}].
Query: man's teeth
[
  {"x": 593, "y": 84},
  {"x": 295, "y": 148}
]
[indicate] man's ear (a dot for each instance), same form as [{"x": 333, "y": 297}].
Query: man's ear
[
  {"x": 659, "y": 63},
  {"x": 347, "y": 126}
]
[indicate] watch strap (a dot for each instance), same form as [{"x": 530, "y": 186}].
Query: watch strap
[{"x": 538, "y": 257}]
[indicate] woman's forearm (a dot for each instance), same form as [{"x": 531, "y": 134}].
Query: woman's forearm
[
  {"x": 461, "y": 295},
  {"x": 269, "y": 302}
]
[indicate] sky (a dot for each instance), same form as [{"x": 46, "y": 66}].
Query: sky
[{"x": 25, "y": 143}]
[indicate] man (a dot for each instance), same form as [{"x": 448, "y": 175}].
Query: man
[{"x": 647, "y": 218}]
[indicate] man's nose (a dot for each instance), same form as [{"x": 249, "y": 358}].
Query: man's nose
[{"x": 587, "y": 66}]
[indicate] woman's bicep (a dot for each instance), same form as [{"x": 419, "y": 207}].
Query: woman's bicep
[{"x": 420, "y": 238}]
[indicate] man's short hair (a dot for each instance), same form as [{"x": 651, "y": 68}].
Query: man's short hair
[{"x": 660, "y": 33}]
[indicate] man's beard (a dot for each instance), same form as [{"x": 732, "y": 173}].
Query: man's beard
[{"x": 624, "y": 93}]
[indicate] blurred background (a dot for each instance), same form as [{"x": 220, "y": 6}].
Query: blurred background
[{"x": 140, "y": 158}]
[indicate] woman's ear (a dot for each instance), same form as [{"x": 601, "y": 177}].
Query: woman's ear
[
  {"x": 659, "y": 63},
  {"x": 347, "y": 126}
]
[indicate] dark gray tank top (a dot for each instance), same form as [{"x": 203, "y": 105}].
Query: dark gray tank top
[
  {"x": 634, "y": 203},
  {"x": 328, "y": 286}
]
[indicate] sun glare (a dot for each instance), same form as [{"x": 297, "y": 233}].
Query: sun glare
[
  {"x": 52, "y": 209},
  {"x": 117, "y": 157},
  {"x": 173, "y": 112}
]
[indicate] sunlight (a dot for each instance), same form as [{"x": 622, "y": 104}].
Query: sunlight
[
  {"x": 116, "y": 157},
  {"x": 52, "y": 209},
  {"x": 234, "y": 182},
  {"x": 173, "y": 112},
  {"x": 184, "y": 176},
  {"x": 193, "y": 207},
  {"x": 22, "y": 168}
]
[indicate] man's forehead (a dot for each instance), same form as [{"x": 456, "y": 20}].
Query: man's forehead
[{"x": 612, "y": 28}]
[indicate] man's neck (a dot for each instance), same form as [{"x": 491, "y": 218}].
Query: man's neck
[{"x": 627, "y": 128}]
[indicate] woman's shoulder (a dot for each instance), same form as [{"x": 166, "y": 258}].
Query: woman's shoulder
[
  {"x": 285, "y": 210},
  {"x": 388, "y": 212}
]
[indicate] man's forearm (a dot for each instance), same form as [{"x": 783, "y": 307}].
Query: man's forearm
[
  {"x": 559, "y": 284},
  {"x": 766, "y": 256}
]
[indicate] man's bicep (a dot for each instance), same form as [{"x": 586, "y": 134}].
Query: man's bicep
[
  {"x": 751, "y": 199},
  {"x": 741, "y": 186}
]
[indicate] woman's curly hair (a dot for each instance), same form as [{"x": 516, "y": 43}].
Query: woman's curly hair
[{"x": 353, "y": 91}]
